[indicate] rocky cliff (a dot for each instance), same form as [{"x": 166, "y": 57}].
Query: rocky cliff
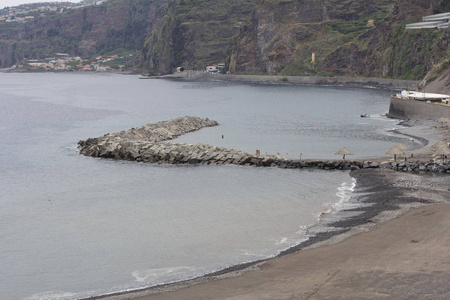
[
  {"x": 256, "y": 36},
  {"x": 113, "y": 27},
  {"x": 389, "y": 50},
  {"x": 193, "y": 34},
  {"x": 282, "y": 35},
  {"x": 250, "y": 36}
]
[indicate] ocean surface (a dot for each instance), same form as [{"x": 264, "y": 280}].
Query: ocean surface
[{"x": 74, "y": 226}]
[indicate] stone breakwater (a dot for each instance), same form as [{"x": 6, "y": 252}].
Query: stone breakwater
[
  {"x": 145, "y": 144},
  {"x": 408, "y": 166}
]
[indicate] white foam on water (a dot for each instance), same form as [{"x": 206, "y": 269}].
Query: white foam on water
[
  {"x": 302, "y": 230},
  {"x": 344, "y": 194},
  {"x": 282, "y": 241},
  {"x": 51, "y": 295},
  {"x": 257, "y": 255},
  {"x": 160, "y": 275}
]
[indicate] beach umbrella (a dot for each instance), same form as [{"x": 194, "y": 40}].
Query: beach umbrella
[
  {"x": 439, "y": 144},
  {"x": 344, "y": 151},
  {"x": 402, "y": 147},
  {"x": 395, "y": 151},
  {"x": 442, "y": 150}
]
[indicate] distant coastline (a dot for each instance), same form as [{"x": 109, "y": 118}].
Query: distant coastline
[{"x": 368, "y": 82}]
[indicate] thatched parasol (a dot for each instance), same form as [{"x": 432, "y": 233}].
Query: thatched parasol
[
  {"x": 402, "y": 147},
  {"x": 344, "y": 151},
  {"x": 395, "y": 151},
  {"x": 439, "y": 144},
  {"x": 442, "y": 150}
]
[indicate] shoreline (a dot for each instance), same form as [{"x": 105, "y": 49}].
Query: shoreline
[
  {"x": 357, "y": 82},
  {"x": 361, "y": 82},
  {"x": 372, "y": 191},
  {"x": 256, "y": 266},
  {"x": 384, "y": 195}
]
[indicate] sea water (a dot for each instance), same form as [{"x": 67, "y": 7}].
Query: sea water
[{"x": 74, "y": 226}]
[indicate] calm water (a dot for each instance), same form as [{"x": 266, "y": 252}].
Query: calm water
[{"x": 73, "y": 226}]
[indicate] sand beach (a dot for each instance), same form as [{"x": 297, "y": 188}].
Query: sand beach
[{"x": 395, "y": 248}]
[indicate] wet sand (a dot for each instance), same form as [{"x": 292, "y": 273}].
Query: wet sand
[
  {"x": 422, "y": 135},
  {"x": 400, "y": 257},
  {"x": 405, "y": 258}
]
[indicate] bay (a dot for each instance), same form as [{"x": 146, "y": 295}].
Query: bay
[{"x": 74, "y": 226}]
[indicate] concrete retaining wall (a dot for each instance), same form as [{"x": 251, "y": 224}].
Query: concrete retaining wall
[{"x": 414, "y": 109}]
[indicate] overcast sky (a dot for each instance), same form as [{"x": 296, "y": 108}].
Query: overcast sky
[{"x": 4, "y": 3}]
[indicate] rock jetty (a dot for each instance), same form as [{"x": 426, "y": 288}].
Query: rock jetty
[
  {"x": 407, "y": 166},
  {"x": 418, "y": 166},
  {"x": 146, "y": 144}
]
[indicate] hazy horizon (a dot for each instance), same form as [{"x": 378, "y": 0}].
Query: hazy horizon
[{"x": 6, "y": 3}]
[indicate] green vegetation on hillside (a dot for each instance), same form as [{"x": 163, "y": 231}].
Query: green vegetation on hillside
[
  {"x": 413, "y": 63},
  {"x": 347, "y": 21},
  {"x": 116, "y": 27},
  {"x": 194, "y": 34}
]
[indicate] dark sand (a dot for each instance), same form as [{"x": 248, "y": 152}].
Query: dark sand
[{"x": 406, "y": 257}]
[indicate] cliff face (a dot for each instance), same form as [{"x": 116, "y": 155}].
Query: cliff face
[
  {"x": 257, "y": 36},
  {"x": 250, "y": 36},
  {"x": 193, "y": 34},
  {"x": 389, "y": 50},
  {"x": 272, "y": 38},
  {"x": 282, "y": 35},
  {"x": 94, "y": 30}
]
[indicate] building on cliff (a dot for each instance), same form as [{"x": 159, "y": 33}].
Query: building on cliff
[
  {"x": 418, "y": 105},
  {"x": 437, "y": 21}
]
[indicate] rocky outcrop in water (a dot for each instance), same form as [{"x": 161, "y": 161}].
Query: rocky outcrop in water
[{"x": 146, "y": 144}]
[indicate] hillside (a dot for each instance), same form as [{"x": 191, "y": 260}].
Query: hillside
[
  {"x": 390, "y": 50},
  {"x": 348, "y": 37},
  {"x": 113, "y": 27},
  {"x": 193, "y": 34},
  {"x": 282, "y": 34}
]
